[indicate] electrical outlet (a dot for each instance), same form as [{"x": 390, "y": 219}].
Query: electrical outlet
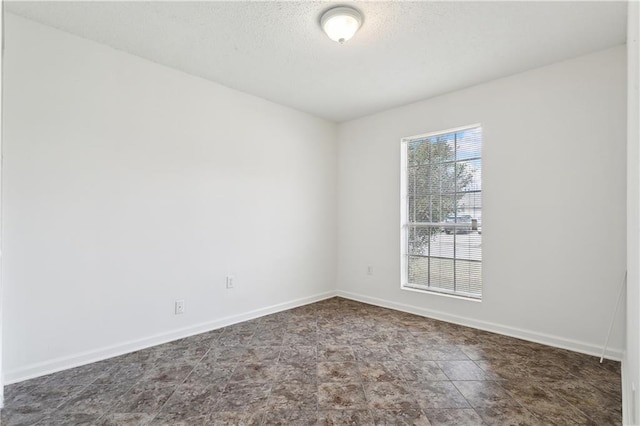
[
  {"x": 230, "y": 281},
  {"x": 179, "y": 307}
]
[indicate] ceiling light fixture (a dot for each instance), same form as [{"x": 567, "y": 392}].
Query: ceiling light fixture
[{"x": 341, "y": 23}]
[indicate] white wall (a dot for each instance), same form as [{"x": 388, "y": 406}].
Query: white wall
[
  {"x": 631, "y": 360},
  {"x": 553, "y": 201},
  {"x": 1, "y": 57},
  {"x": 128, "y": 185}
]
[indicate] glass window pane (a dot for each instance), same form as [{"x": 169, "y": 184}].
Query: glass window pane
[
  {"x": 469, "y": 276},
  {"x": 468, "y": 244},
  {"x": 419, "y": 208},
  {"x": 441, "y": 273},
  {"x": 470, "y": 204},
  {"x": 419, "y": 177},
  {"x": 446, "y": 208},
  {"x": 419, "y": 270},
  {"x": 468, "y": 144},
  {"x": 442, "y": 245},
  {"x": 468, "y": 176},
  {"x": 419, "y": 240},
  {"x": 441, "y": 149},
  {"x": 442, "y": 178},
  {"x": 417, "y": 152}
]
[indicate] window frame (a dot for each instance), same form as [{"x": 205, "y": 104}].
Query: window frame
[{"x": 404, "y": 219}]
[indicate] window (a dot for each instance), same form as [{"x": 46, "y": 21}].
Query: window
[{"x": 442, "y": 212}]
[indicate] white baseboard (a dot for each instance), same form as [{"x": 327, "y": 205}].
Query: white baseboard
[
  {"x": 629, "y": 400},
  {"x": 532, "y": 336},
  {"x": 63, "y": 363}
]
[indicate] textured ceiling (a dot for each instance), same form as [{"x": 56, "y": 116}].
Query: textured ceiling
[{"x": 405, "y": 51}]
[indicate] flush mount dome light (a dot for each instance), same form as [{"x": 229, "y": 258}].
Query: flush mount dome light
[{"x": 341, "y": 23}]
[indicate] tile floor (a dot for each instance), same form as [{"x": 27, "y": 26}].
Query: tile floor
[{"x": 334, "y": 362}]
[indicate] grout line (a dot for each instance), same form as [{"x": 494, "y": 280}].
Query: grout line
[{"x": 183, "y": 381}]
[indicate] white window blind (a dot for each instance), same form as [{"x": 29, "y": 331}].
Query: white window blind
[{"x": 442, "y": 212}]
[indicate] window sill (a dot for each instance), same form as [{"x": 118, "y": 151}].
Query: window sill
[{"x": 440, "y": 293}]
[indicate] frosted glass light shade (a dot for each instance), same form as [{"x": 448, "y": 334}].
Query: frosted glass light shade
[{"x": 341, "y": 23}]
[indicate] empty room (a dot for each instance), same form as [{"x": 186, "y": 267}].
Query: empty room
[{"x": 331, "y": 213}]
